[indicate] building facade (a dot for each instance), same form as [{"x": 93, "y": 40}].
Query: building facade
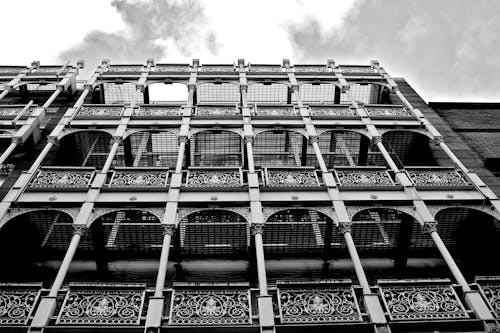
[{"x": 267, "y": 198}]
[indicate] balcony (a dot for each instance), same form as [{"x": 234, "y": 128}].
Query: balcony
[
  {"x": 364, "y": 178},
  {"x": 62, "y": 178},
  {"x": 383, "y": 111},
  {"x": 101, "y": 111},
  {"x": 435, "y": 178},
  {"x": 490, "y": 288},
  {"x": 17, "y": 302},
  {"x": 15, "y": 112},
  {"x": 284, "y": 177},
  {"x": 214, "y": 177},
  {"x": 138, "y": 178}
]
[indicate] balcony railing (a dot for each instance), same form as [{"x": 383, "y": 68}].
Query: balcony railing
[
  {"x": 437, "y": 177},
  {"x": 275, "y": 111},
  {"x": 138, "y": 178},
  {"x": 387, "y": 111},
  {"x": 421, "y": 300},
  {"x": 170, "y": 68},
  {"x": 299, "y": 69},
  {"x": 157, "y": 111},
  {"x": 490, "y": 288},
  {"x": 217, "y": 69},
  {"x": 13, "y": 112},
  {"x": 12, "y": 69},
  {"x": 100, "y": 111},
  {"x": 356, "y": 70},
  {"x": 363, "y": 177},
  {"x": 265, "y": 69},
  {"x": 62, "y": 177},
  {"x": 214, "y": 177},
  {"x": 102, "y": 304},
  {"x": 17, "y": 302},
  {"x": 217, "y": 110},
  {"x": 331, "y": 111},
  {"x": 125, "y": 69},
  {"x": 290, "y": 177},
  {"x": 325, "y": 302}
]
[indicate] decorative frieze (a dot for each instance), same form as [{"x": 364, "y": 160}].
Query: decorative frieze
[
  {"x": 214, "y": 177},
  {"x": 17, "y": 302},
  {"x": 139, "y": 178},
  {"x": 217, "y": 110},
  {"x": 331, "y": 111},
  {"x": 157, "y": 111},
  {"x": 283, "y": 177},
  {"x": 62, "y": 178},
  {"x": 100, "y": 111},
  {"x": 437, "y": 177},
  {"x": 424, "y": 301},
  {"x": 210, "y": 307},
  {"x": 387, "y": 111},
  {"x": 362, "y": 177}
]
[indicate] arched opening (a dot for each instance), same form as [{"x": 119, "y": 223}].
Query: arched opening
[
  {"x": 216, "y": 148},
  {"x": 33, "y": 244},
  {"x": 282, "y": 148},
  {"x": 148, "y": 149},
  {"x": 409, "y": 148},
  {"x": 210, "y": 245},
  {"x": 159, "y": 93},
  {"x": 348, "y": 148}
]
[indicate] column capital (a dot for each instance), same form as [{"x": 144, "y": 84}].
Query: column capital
[
  {"x": 377, "y": 139},
  {"x": 313, "y": 139},
  {"x": 248, "y": 139},
  {"x": 257, "y": 228},
  {"x": 79, "y": 229},
  {"x": 52, "y": 139},
  {"x": 168, "y": 229},
  {"x": 345, "y": 227},
  {"x": 429, "y": 227},
  {"x": 437, "y": 140},
  {"x": 118, "y": 139},
  {"x": 183, "y": 138}
]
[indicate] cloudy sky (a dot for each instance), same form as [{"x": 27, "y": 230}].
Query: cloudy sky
[{"x": 447, "y": 49}]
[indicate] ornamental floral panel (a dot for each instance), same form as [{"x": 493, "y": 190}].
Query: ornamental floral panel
[
  {"x": 287, "y": 177},
  {"x": 122, "y": 178},
  {"x": 264, "y": 68},
  {"x": 276, "y": 111},
  {"x": 172, "y": 68},
  {"x": 363, "y": 177},
  {"x": 157, "y": 111},
  {"x": 219, "y": 68},
  {"x": 222, "y": 110},
  {"x": 425, "y": 302},
  {"x": 102, "y": 307},
  {"x": 6, "y": 169},
  {"x": 436, "y": 177},
  {"x": 125, "y": 68},
  {"x": 311, "y": 68},
  {"x": 17, "y": 303},
  {"x": 100, "y": 111},
  {"x": 491, "y": 291},
  {"x": 330, "y": 111},
  {"x": 210, "y": 307},
  {"x": 381, "y": 111},
  {"x": 214, "y": 178},
  {"x": 6, "y": 111},
  {"x": 62, "y": 178},
  {"x": 318, "y": 305},
  {"x": 356, "y": 69}
]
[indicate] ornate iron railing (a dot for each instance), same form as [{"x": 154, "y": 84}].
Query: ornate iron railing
[
  {"x": 217, "y": 68},
  {"x": 13, "y": 111},
  {"x": 210, "y": 306},
  {"x": 217, "y": 110},
  {"x": 157, "y": 110},
  {"x": 214, "y": 177},
  {"x": 275, "y": 111},
  {"x": 291, "y": 177},
  {"x": 346, "y": 69},
  {"x": 331, "y": 111},
  {"x": 6, "y": 169},
  {"x": 490, "y": 288},
  {"x": 323, "y": 302},
  {"x": 311, "y": 69},
  {"x": 12, "y": 69},
  {"x": 387, "y": 111},
  {"x": 99, "y": 111},
  {"x": 102, "y": 304},
  {"x": 139, "y": 177},
  {"x": 437, "y": 177},
  {"x": 360, "y": 177},
  {"x": 421, "y": 300},
  {"x": 265, "y": 68},
  {"x": 171, "y": 68},
  {"x": 62, "y": 177},
  {"x": 125, "y": 68},
  {"x": 17, "y": 301}
]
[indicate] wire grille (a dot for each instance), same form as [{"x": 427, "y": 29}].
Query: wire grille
[
  {"x": 122, "y": 93},
  {"x": 215, "y": 233},
  {"x": 87, "y": 148},
  {"x": 316, "y": 93},
  {"x": 295, "y": 232},
  {"x": 408, "y": 148},
  {"x": 345, "y": 148},
  {"x": 282, "y": 148},
  {"x": 217, "y": 93},
  {"x": 376, "y": 230},
  {"x": 148, "y": 149},
  {"x": 216, "y": 148},
  {"x": 275, "y": 93},
  {"x": 35, "y": 87},
  {"x": 364, "y": 93}
]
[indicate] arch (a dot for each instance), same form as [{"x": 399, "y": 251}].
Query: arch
[
  {"x": 291, "y": 148},
  {"x": 148, "y": 148},
  {"x": 82, "y": 148},
  {"x": 216, "y": 148},
  {"x": 409, "y": 148},
  {"x": 217, "y": 92},
  {"x": 348, "y": 148},
  {"x": 159, "y": 92},
  {"x": 212, "y": 232},
  {"x": 298, "y": 232}
]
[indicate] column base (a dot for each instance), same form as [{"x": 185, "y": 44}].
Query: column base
[
  {"x": 43, "y": 313},
  {"x": 374, "y": 309},
  {"x": 382, "y": 329},
  {"x": 475, "y": 302},
  {"x": 154, "y": 317},
  {"x": 266, "y": 314}
]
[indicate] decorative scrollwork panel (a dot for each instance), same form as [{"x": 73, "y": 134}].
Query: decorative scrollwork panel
[
  {"x": 100, "y": 111},
  {"x": 490, "y": 287},
  {"x": 318, "y": 305},
  {"x": 212, "y": 110},
  {"x": 363, "y": 177},
  {"x": 428, "y": 302},
  {"x": 281, "y": 111},
  {"x": 102, "y": 307},
  {"x": 384, "y": 111},
  {"x": 210, "y": 307},
  {"x": 139, "y": 179},
  {"x": 157, "y": 111},
  {"x": 331, "y": 111},
  {"x": 62, "y": 178},
  {"x": 356, "y": 69},
  {"x": 286, "y": 177},
  {"x": 17, "y": 303},
  {"x": 437, "y": 177},
  {"x": 214, "y": 178}
]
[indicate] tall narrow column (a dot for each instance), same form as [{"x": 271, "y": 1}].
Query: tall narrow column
[{"x": 257, "y": 230}]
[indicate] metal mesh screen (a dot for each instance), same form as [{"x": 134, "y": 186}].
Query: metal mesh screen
[
  {"x": 282, "y": 148},
  {"x": 376, "y": 230},
  {"x": 148, "y": 149},
  {"x": 217, "y": 93},
  {"x": 344, "y": 148},
  {"x": 295, "y": 232},
  {"x": 216, "y": 148},
  {"x": 89, "y": 148},
  {"x": 364, "y": 93},
  {"x": 213, "y": 233},
  {"x": 121, "y": 93},
  {"x": 316, "y": 93},
  {"x": 408, "y": 148},
  {"x": 276, "y": 93}
]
